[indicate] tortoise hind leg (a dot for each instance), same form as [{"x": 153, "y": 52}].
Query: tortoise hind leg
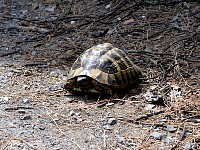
[{"x": 102, "y": 88}]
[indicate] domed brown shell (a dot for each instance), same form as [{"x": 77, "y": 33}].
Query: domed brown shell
[{"x": 107, "y": 65}]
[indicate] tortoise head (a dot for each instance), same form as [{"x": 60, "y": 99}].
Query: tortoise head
[
  {"x": 70, "y": 84},
  {"x": 84, "y": 82}
]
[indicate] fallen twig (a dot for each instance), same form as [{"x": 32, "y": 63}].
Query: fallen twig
[
  {"x": 146, "y": 116},
  {"x": 9, "y": 53},
  {"x": 17, "y": 108}
]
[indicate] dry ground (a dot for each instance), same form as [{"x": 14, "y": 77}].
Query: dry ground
[{"x": 41, "y": 39}]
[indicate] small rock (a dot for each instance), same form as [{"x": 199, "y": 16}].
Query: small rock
[
  {"x": 77, "y": 114},
  {"x": 80, "y": 120},
  {"x": 112, "y": 121},
  {"x": 92, "y": 147},
  {"x": 150, "y": 106},
  {"x": 33, "y": 53},
  {"x": 26, "y": 100},
  {"x": 156, "y": 135},
  {"x": 4, "y": 100},
  {"x": 121, "y": 140},
  {"x": 107, "y": 127},
  {"x": 53, "y": 62},
  {"x": 43, "y": 30},
  {"x": 169, "y": 139},
  {"x": 171, "y": 128},
  {"x": 18, "y": 70},
  {"x": 39, "y": 126},
  {"x": 25, "y": 87},
  {"x": 71, "y": 113},
  {"x": 109, "y": 104},
  {"x": 51, "y": 8},
  {"x": 108, "y": 6},
  {"x": 73, "y": 22},
  {"x": 188, "y": 146},
  {"x": 46, "y": 104},
  {"x": 3, "y": 79},
  {"x": 57, "y": 148},
  {"x": 9, "y": 74},
  {"x": 21, "y": 111},
  {"x": 55, "y": 87},
  {"x": 54, "y": 73},
  {"x": 28, "y": 117}
]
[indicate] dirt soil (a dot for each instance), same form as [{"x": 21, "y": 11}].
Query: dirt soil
[{"x": 39, "y": 41}]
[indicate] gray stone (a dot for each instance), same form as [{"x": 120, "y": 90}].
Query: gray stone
[
  {"x": 157, "y": 135},
  {"x": 54, "y": 73},
  {"x": 26, "y": 100},
  {"x": 8, "y": 74},
  {"x": 28, "y": 117},
  {"x": 92, "y": 147},
  {"x": 121, "y": 140},
  {"x": 112, "y": 121},
  {"x": 33, "y": 53},
  {"x": 171, "y": 128},
  {"x": 25, "y": 87},
  {"x": 169, "y": 139},
  {"x": 21, "y": 111},
  {"x": 55, "y": 87},
  {"x": 3, "y": 79},
  {"x": 150, "y": 106},
  {"x": 39, "y": 126},
  {"x": 109, "y": 104},
  {"x": 71, "y": 113},
  {"x": 188, "y": 146},
  {"x": 107, "y": 127},
  {"x": 4, "y": 100}
]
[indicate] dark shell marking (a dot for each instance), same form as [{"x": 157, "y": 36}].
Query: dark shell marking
[{"x": 107, "y": 65}]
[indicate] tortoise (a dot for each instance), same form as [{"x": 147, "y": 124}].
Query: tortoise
[{"x": 102, "y": 69}]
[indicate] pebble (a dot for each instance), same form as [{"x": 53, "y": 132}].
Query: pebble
[
  {"x": 77, "y": 114},
  {"x": 4, "y": 100},
  {"x": 28, "y": 117},
  {"x": 8, "y": 74},
  {"x": 149, "y": 106},
  {"x": 112, "y": 121},
  {"x": 109, "y": 104},
  {"x": 3, "y": 79},
  {"x": 21, "y": 111},
  {"x": 54, "y": 74},
  {"x": 171, "y": 128},
  {"x": 25, "y": 87},
  {"x": 55, "y": 87},
  {"x": 107, "y": 127},
  {"x": 39, "y": 126},
  {"x": 33, "y": 53},
  {"x": 73, "y": 22},
  {"x": 18, "y": 70},
  {"x": 121, "y": 140},
  {"x": 92, "y": 147},
  {"x": 50, "y": 8},
  {"x": 188, "y": 146},
  {"x": 57, "y": 148},
  {"x": 156, "y": 135},
  {"x": 26, "y": 100},
  {"x": 169, "y": 139},
  {"x": 71, "y": 113}
]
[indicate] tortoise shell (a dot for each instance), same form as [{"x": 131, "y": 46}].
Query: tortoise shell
[{"x": 105, "y": 65}]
